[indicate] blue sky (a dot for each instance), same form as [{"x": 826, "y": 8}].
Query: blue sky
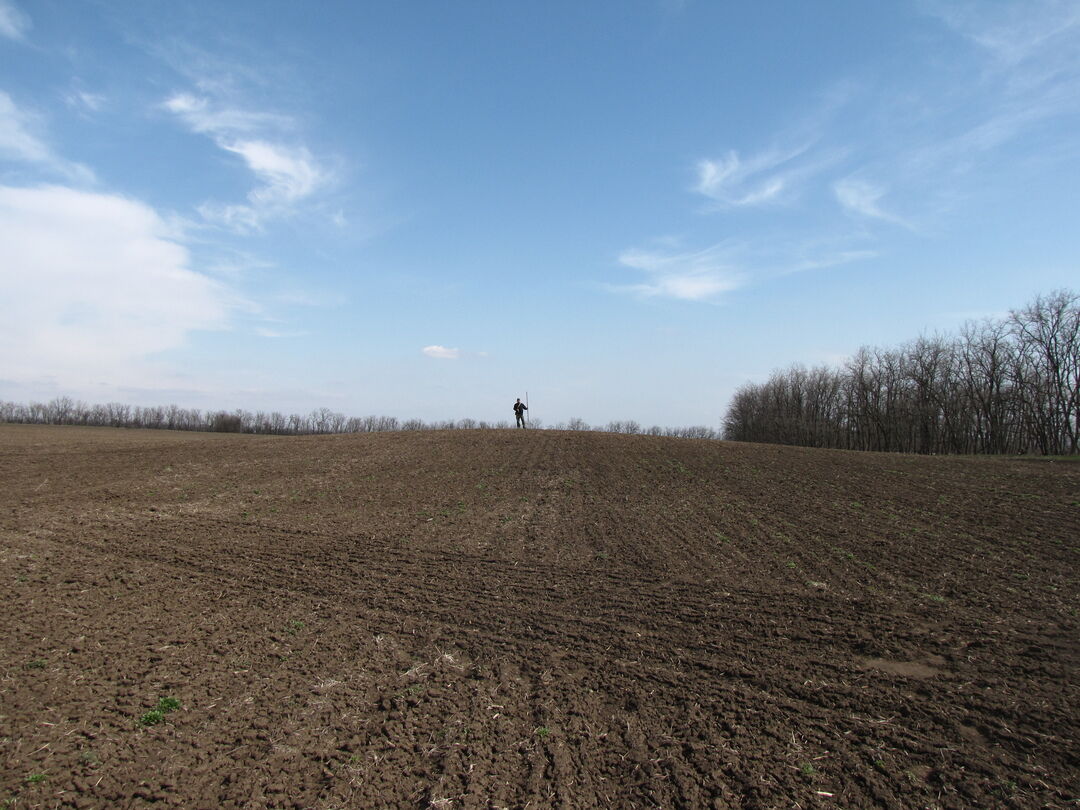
[{"x": 421, "y": 209}]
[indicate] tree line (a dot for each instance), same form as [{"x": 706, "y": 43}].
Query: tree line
[
  {"x": 67, "y": 411},
  {"x": 1005, "y": 385}
]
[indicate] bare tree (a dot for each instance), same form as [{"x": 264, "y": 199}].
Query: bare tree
[
  {"x": 1000, "y": 387},
  {"x": 1048, "y": 370}
]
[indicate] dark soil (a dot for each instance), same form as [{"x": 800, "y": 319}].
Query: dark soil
[{"x": 490, "y": 619}]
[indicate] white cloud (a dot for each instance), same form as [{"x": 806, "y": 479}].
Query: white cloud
[
  {"x": 13, "y": 22},
  {"x": 205, "y": 117},
  {"x": 321, "y": 299},
  {"x": 84, "y": 101},
  {"x": 833, "y": 259},
  {"x": 861, "y": 198},
  {"x": 1015, "y": 33},
  {"x": 95, "y": 287},
  {"x": 706, "y": 275},
  {"x": 693, "y": 276},
  {"x": 1028, "y": 58},
  {"x": 17, "y": 141},
  {"x": 265, "y": 332},
  {"x": 20, "y": 142},
  {"x": 287, "y": 174},
  {"x": 730, "y": 180},
  {"x": 772, "y": 177},
  {"x": 441, "y": 352}
]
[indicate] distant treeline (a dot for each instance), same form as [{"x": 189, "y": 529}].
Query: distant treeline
[
  {"x": 1009, "y": 385},
  {"x": 66, "y": 411}
]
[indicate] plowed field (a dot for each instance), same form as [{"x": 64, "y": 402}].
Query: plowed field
[{"x": 483, "y": 619}]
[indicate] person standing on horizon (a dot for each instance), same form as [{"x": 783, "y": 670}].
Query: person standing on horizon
[{"x": 519, "y": 411}]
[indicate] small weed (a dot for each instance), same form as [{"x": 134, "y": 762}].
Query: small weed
[
  {"x": 1007, "y": 786},
  {"x": 90, "y": 758},
  {"x": 412, "y": 690},
  {"x": 151, "y": 718},
  {"x": 543, "y": 732},
  {"x": 933, "y": 597},
  {"x": 294, "y": 627},
  {"x": 37, "y": 778},
  {"x": 157, "y": 715},
  {"x": 791, "y": 564},
  {"x": 37, "y": 663},
  {"x": 601, "y": 555},
  {"x": 807, "y": 769}
]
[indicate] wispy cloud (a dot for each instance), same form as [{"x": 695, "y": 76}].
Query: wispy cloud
[
  {"x": 904, "y": 156},
  {"x": 1028, "y": 58},
  {"x": 14, "y": 23},
  {"x": 205, "y": 116},
  {"x": 1017, "y": 32},
  {"x": 85, "y": 102},
  {"x": 710, "y": 273},
  {"x": 17, "y": 141},
  {"x": 287, "y": 174},
  {"x": 441, "y": 352},
  {"x": 823, "y": 260},
  {"x": 771, "y": 177},
  {"x": 20, "y": 141},
  {"x": 686, "y": 276},
  {"x": 311, "y": 298},
  {"x": 266, "y": 332},
  {"x": 778, "y": 174},
  {"x": 861, "y": 198}
]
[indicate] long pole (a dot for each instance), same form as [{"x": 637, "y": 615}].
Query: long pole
[{"x": 527, "y": 407}]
